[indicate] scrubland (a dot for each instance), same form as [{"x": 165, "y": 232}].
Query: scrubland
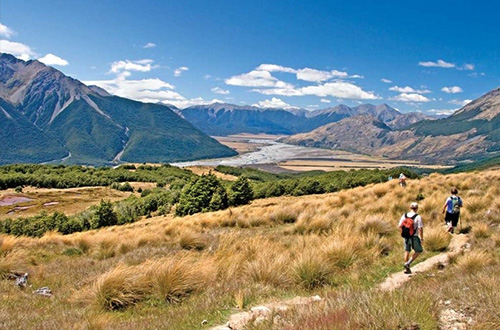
[{"x": 174, "y": 272}]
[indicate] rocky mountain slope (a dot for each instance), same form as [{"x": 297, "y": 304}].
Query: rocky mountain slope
[
  {"x": 47, "y": 116},
  {"x": 225, "y": 119},
  {"x": 472, "y": 132}
]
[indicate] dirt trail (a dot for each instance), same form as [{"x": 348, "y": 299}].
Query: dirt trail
[
  {"x": 261, "y": 313},
  {"x": 458, "y": 243}
]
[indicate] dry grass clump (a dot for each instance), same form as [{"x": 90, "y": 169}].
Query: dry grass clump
[
  {"x": 121, "y": 287},
  {"x": 474, "y": 204},
  {"x": 106, "y": 249},
  {"x": 481, "y": 230},
  {"x": 311, "y": 271},
  {"x": 174, "y": 279},
  {"x": 475, "y": 260},
  {"x": 436, "y": 239},
  {"x": 376, "y": 225},
  {"x": 191, "y": 240},
  {"x": 343, "y": 254},
  {"x": 284, "y": 215},
  {"x": 380, "y": 190},
  {"x": 270, "y": 270}
]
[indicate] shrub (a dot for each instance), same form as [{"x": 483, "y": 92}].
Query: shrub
[
  {"x": 18, "y": 189},
  {"x": 104, "y": 215},
  {"x": 240, "y": 192}
]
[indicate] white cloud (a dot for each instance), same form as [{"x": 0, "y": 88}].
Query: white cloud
[
  {"x": 140, "y": 65},
  {"x": 441, "y": 112},
  {"x": 468, "y": 66},
  {"x": 410, "y": 97},
  {"x": 408, "y": 89},
  {"x": 275, "y": 68},
  {"x": 17, "y": 49},
  {"x": 178, "y": 72},
  {"x": 452, "y": 89},
  {"x": 149, "y": 45},
  {"x": 257, "y": 78},
  {"x": 437, "y": 64},
  {"x": 460, "y": 102},
  {"x": 218, "y": 90},
  {"x": 153, "y": 90},
  {"x": 340, "y": 89},
  {"x": 6, "y": 32},
  {"x": 306, "y": 74},
  {"x": 312, "y": 106},
  {"x": 274, "y": 103},
  {"x": 357, "y": 76},
  {"x": 51, "y": 59},
  {"x": 325, "y": 101},
  {"x": 387, "y": 81}
]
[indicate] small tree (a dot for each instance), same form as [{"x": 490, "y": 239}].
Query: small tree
[
  {"x": 240, "y": 192},
  {"x": 104, "y": 215},
  {"x": 198, "y": 196}
]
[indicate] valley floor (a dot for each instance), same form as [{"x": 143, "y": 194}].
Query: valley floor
[{"x": 192, "y": 272}]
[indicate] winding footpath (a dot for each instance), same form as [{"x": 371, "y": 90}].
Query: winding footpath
[{"x": 449, "y": 319}]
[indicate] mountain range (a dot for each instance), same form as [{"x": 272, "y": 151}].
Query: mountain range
[
  {"x": 471, "y": 133},
  {"x": 222, "y": 119},
  {"x": 46, "y": 116}
]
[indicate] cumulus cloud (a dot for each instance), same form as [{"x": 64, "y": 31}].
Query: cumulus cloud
[
  {"x": 325, "y": 101},
  {"x": 152, "y": 90},
  {"x": 437, "y": 64},
  {"x": 306, "y": 74},
  {"x": 51, "y": 59},
  {"x": 140, "y": 65},
  {"x": 149, "y": 45},
  {"x": 441, "y": 112},
  {"x": 274, "y": 103},
  {"x": 452, "y": 89},
  {"x": 6, "y": 32},
  {"x": 410, "y": 97},
  {"x": 408, "y": 89},
  {"x": 387, "y": 81},
  {"x": 468, "y": 66},
  {"x": 17, "y": 49},
  {"x": 218, "y": 90},
  {"x": 340, "y": 89},
  {"x": 460, "y": 102},
  {"x": 178, "y": 72},
  {"x": 257, "y": 78}
]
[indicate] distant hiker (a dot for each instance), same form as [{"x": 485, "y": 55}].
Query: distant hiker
[
  {"x": 402, "y": 180},
  {"x": 412, "y": 230},
  {"x": 451, "y": 209}
]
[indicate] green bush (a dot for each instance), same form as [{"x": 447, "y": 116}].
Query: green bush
[
  {"x": 240, "y": 192},
  {"x": 104, "y": 216}
]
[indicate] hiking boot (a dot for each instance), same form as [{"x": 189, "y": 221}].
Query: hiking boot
[{"x": 407, "y": 268}]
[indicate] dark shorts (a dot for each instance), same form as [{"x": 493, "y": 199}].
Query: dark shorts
[
  {"x": 452, "y": 217},
  {"x": 413, "y": 243}
]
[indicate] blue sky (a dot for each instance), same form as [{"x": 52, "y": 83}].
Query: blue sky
[{"x": 428, "y": 55}]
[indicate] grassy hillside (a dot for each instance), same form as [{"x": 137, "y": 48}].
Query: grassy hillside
[{"x": 173, "y": 273}]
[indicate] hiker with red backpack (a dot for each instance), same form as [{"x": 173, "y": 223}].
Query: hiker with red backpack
[
  {"x": 451, "y": 209},
  {"x": 412, "y": 230}
]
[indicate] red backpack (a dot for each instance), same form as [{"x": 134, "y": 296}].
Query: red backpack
[{"x": 407, "y": 228}]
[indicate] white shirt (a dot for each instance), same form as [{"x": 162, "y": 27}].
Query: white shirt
[{"x": 417, "y": 223}]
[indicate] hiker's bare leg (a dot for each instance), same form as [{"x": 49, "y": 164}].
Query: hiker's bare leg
[
  {"x": 407, "y": 256},
  {"x": 415, "y": 255}
]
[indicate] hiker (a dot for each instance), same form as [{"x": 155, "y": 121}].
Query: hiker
[
  {"x": 412, "y": 229},
  {"x": 402, "y": 180},
  {"x": 451, "y": 209}
]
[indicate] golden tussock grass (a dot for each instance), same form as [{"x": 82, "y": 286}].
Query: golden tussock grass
[
  {"x": 191, "y": 240},
  {"x": 175, "y": 279},
  {"x": 474, "y": 261},
  {"x": 436, "y": 239},
  {"x": 481, "y": 230},
  {"x": 311, "y": 271},
  {"x": 120, "y": 287},
  {"x": 376, "y": 225}
]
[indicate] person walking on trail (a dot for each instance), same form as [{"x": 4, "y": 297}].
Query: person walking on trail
[
  {"x": 402, "y": 180},
  {"x": 451, "y": 209},
  {"x": 412, "y": 230}
]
